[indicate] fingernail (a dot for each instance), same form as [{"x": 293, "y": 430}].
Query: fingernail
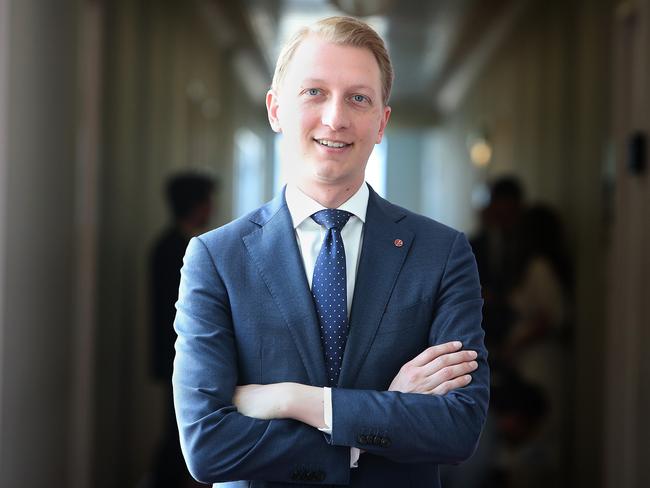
[
  {"x": 473, "y": 354},
  {"x": 458, "y": 344},
  {"x": 474, "y": 364}
]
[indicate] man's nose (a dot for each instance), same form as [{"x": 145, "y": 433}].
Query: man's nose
[{"x": 335, "y": 114}]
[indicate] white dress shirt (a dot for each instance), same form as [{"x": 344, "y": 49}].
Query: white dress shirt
[{"x": 310, "y": 236}]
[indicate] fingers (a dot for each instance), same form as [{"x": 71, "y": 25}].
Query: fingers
[
  {"x": 452, "y": 375},
  {"x": 431, "y": 353},
  {"x": 449, "y": 359},
  {"x": 440, "y": 368},
  {"x": 451, "y": 385}
]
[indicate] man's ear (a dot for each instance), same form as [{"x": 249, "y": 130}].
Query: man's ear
[
  {"x": 272, "y": 110},
  {"x": 384, "y": 122}
]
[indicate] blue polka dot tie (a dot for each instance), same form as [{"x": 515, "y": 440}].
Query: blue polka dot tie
[{"x": 329, "y": 288}]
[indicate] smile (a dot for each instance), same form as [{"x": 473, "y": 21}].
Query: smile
[{"x": 334, "y": 144}]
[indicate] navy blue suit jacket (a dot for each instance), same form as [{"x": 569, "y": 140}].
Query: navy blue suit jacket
[{"x": 245, "y": 315}]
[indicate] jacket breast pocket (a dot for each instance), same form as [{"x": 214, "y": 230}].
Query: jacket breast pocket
[
  {"x": 402, "y": 335},
  {"x": 398, "y": 319}
]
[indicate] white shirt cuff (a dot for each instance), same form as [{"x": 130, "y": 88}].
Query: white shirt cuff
[
  {"x": 327, "y": 410},
  {"x": 355, "y": 452}
]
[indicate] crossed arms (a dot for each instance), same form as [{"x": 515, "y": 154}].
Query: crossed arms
[
  {"x": 436, "y": 371},
  {"x": 431, "y": 413}
]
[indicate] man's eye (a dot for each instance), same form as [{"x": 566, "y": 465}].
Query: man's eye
[
  {"x": 313, "y": 91},
  {"x": 359, "y": 98}
]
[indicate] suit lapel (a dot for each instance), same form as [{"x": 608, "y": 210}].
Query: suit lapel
[
  {"x": 381, "y": 261},
  {"x": 274, "y": 250}
]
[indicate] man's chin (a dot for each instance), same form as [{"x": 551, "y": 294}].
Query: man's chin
[
  {"x": 326, "y": 173},
  {"x": 330, "y": 177}
]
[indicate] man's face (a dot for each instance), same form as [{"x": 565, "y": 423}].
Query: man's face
[{"x": 330, "y": 111}]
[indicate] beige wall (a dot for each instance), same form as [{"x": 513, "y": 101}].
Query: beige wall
[
  {"x": 4, "y": 163},
  {"x": 628, "y": 338},
  {"x": 37, "y": 228}
]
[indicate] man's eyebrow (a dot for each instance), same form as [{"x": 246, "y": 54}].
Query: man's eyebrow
[
  {"x": 319, "y": 81},
  {"x": 363, "y": 87}
]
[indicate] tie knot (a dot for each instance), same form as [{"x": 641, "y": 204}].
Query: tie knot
[{"x": 332, "y": 218}]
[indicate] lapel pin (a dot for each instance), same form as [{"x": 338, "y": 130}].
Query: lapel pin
[{"x": 398, "y": 242}]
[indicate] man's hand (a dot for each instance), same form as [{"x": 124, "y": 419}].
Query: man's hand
[
  {"x": 261, "y": 401},
  {"x": 281, "y": 400},
  {"x": 436, "y": 371}
]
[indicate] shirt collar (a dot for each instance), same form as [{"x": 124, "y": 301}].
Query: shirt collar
[{"x": 301, "y": 206}]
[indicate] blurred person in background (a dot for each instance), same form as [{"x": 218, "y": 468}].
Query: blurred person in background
[
  {"x": 189, "y": 197},
  {"x": 537, "y": 346},
  {"x": 528, "y": 284},
  {"x": 493, "y": 247}
]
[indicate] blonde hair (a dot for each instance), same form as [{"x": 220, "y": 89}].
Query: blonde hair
[{"x": 345, "y": 31}]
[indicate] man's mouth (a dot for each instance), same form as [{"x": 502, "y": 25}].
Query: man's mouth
[{"x": 332, "y": 144}]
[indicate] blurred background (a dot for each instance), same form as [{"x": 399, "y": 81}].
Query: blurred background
[{"x": 523, "y": 123}]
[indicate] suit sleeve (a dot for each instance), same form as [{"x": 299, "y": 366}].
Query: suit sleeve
[
  {"x": 218, "y": 443},
  {"x": 418, "y": 428}
]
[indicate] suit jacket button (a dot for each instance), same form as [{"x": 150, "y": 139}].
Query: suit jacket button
[
  {"x": 385, "y": 442},
  {"x": 362, "y": 439},
  {"x": 376, "y": 440}
]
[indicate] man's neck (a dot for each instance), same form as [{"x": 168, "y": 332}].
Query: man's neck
[{"x": 330, "y": 196}]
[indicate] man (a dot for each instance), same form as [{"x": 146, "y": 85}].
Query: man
[
  {"x": 319, "y": 337},
  {"x": 188, "y": 196}
]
